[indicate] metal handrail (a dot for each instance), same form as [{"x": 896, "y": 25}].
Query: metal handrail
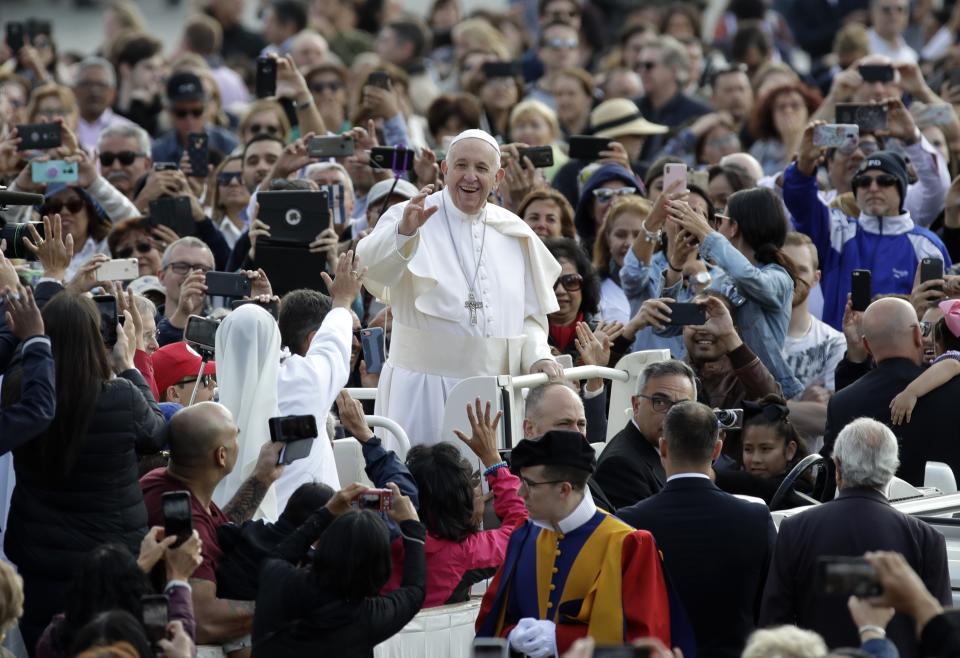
[
  {"x": 570, "y": 374},
  {"x": 394, "y": 427},
  {"x": 362, "y": 393}
]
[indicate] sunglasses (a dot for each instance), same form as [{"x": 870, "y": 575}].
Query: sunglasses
[
  {"x": 648, "y": 66},
  {"x": 561, "y": 44},
  {"x": 54, "y": 206},
  {"x": 227, "y": 177},
  {"x": 126, "y": 158},
  {"x": 268, "y": 128},
  {"x": 205, "y": 381},
  {"x": 321, "y": 87},
  {"x": 127, "y": 252},
  {"x": 571, "y": 282},
  {"x": 883, "y": 180},
  {"x": 926, "y": 328},
  {"x": 183, "y": 114},
  {"x": 606, "y": 194}
]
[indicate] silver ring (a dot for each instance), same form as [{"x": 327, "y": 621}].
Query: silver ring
[{"x": 355, "y": 274}]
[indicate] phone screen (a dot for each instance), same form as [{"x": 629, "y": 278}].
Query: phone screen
[
  {"x": 107, "y": 306},
  {"x": 202, "y": 332},
  {"x": 861, "y": 289}
]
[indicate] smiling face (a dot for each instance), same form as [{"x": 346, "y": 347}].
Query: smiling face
[
  {"x": 137, "y": 244},
  {"x": 625, "y": 229},
  {"x": 602, "y": 203},
  {"x": 568, "y": 300},
  {"x": 765, "y": 453},
  {"x": 543, "y": 216},
  {"x": 471, "y": 171},
  {"x": 532, "y": 129}
]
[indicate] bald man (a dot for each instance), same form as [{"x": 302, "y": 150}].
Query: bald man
[
  {"x": 892, "y": 336},
  {"x": 203, "y": 450}
]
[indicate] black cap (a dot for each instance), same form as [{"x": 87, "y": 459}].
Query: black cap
[
  {"x": 889, "y": 163},
  {"x": 555, "y": 448},
  {"x": 185, "y": 86}
]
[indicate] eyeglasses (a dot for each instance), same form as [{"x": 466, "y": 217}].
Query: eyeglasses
[
  {"x": 561, "y": 44},
  {"x": 925, "y": 328},
  {"x": 126, "y": 252},
  {"x": 93, "y": 84},
  {"x": 893, "y": 9},
  {"x": 181, "y": 267},
  {"x": 648, "y": 66},
  {"x": 718, "y": 219},
  {"x": 320, "y": 87},
  {"x": 571, "y": 282},
  {"x": 530, "y": 484},
  {"x": 606, "y": 194},
  {"x": 227, "y": 177},
  {"x": 54, "y": 206},
  {"x": 883, "y": 180},
  {"x": 126, "y": 158},
  {"x": 660, "y": 404},
  {"x": 205, "y": 381},
  {"x": 268, "y": 128},
  {"x": 182, "y": 113}
]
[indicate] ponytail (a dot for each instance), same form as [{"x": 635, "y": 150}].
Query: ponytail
[{"x": 769, "y": 253}]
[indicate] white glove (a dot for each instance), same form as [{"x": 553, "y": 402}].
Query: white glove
[{"x": 536, "y": 638}]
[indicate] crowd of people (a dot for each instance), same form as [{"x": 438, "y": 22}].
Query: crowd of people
[{"x": 207, "y": 243}]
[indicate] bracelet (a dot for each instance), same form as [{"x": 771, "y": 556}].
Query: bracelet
[
  {"x": 869, "y": 628},
  {"x": 653, "y": 237},
  {"x": 493, "y": 468},
  {"x": 670, "y": 265},
  {"x": 304, "y": 105}
]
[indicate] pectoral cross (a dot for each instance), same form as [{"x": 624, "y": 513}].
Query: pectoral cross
[{"x": 473, "y": 305}]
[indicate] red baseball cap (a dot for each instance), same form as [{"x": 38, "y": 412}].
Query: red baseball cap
[{"x": 177, "y": 361}]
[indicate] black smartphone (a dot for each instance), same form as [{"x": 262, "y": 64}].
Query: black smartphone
[
  {"x": 373, "y": 350},
  {"x": 540, "y": 156},
  {"x": 294, "y": 217},
  {"x": 339, "y": 146},
  {"x": 39, "y": 136},
  {"x": 682, "y": 314},
  {"x": 876, "y": 72},
  {"x": 395, "y": 159},
  {"x": 843, "y": 576},
  {"x": 861, "y": 289},
  {"x": 156, "y": 614},
  {"x": 931, "y": 269},
  {"x": 379, "y": 79},
  {"x": 228, "y": 284},
  {"x": 266, "y": 77},
  {"x": 14, "y": 234},
  {"x": 335, "y": 201},
  {"x": 869, "y": 117},
  {"x": 174, "y": 213},
  {"x": 493, "y": 70},
  {"x": 490, "y": 647},
  {"x": 199, "y": 154},
  {"x": 585, "y": 147},
  {"x": 177, "y": 515},
  {"x": 272, "y": 307},
  {"x": 297, "y": 432},
  {"x": 107, "y": 306},
  {"x": 201, "y": 332},
  {"x": 15, "y": 33}
]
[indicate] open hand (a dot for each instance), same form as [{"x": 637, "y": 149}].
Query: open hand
[
  {"x": 414, "y": 214},
  {"x": 483, "y": 441},
  {"x": 594, "y": 349},
  {"x": 347, "y": 281},
  {"x": 53, "y": 250}
]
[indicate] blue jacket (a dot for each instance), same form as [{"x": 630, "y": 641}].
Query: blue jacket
[
  {"x": 890, "y": 247},
  {"x": 30, "y": 416}
]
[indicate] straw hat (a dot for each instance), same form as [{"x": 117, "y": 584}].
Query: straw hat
[{"x": 620, "y": 116}]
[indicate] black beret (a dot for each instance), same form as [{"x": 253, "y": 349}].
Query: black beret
[{"x": 555, "y": 448}]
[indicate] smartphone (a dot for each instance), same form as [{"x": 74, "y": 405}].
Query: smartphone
[
  {"x": 940, "y": 114},
  {"x": 201, "y": 332},
  {"x": 373, "y": 351},
  {"x": 199, "y": 154},
  {"x": 228, "y": 284},
  {"x": 843, "y": 576},
  {"x": 490, "y": 647},
  {"x": 338, "y": 209},
  {"x": 165, "y": 166},
  {"x": 339, "y": 146},
  {"x": 297, "y": 432},
  {"x": 493, "y": 70},
  {"x": 729, "y": 419},
  {"x": 156, "y": 615},
  {"x": 175, "y": 213},
  {"x": 266, "y": 77},
  {"x": 53, "y": 171},
  {"x": 376, "y": 500},
  {"x": 39, "y": 136},
  {"x": 861, "y": 289},
  {"x": 876, "y": 72},
  {"x": 585, "y": 147},
  {"x": 682, "y": 314},
  {"x": 836, "y": 135},
  {"x": 869, "y": 118},
  {"x": 540, "y": 156},
  {"x": 379, "y": 79},
  {"x": 272, "y": 307},
  {"x": 107, "y": 306},
  {"x": 395, "y": 159},
  {"x": 15, "y": 32},
  {"x": 118, "y": 269},
  {"x": 673, "y": 173},
  {"x": 294, "y": 217},
  {"x": 177, "y": 516},
  {"x": 931, "y": 269}
]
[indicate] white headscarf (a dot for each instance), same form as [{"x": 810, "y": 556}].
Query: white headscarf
[{"x": 248, "y": 362}]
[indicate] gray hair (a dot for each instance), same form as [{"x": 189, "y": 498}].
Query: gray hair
[
  {"x": 673, "y": 55},
  {"x": 145, "y": 306},
  {"x": 94, "y": 62},
  {"x": 126, "y": 131},
  {"x": 784, "y": 642},
  {"x": 188, "y": 241},
  {"x": 668, "y": 368},
  {"x": 867, "y": 454},
  {"x": 317, "y": 167}
]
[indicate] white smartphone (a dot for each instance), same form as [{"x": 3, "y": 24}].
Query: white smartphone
[
  {"x": 119, "y": 269},
  {"x": 672, "y": 174},
  {"x": 836, "y": 135}
]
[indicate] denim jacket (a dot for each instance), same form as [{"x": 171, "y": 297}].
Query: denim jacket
[
  {"x": 761, "y": 297},
  {"x": 642, "y": 282}
]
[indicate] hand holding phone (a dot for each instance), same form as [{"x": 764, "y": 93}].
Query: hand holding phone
[
  {"x": 296, "y": 433},
  {"x": 373, "y": 349},
  {"x": 266, "y": 81},
  {"x": 675, "y": 174},
  {"x": 686, "y": 314},
  {"x": 177, "y": 516},
  {"x": 931, "y": 269},
  {"x": 861, "y": 289}
]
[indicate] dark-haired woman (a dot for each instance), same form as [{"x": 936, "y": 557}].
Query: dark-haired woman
[
  {"x": 334, "y": 608},
  {"x": 77, "y": 485},
  {"x": 578, "y": 294},
  {"x": 759, "y": 279}
]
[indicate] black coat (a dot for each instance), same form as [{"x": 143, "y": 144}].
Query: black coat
[
  {"x": 932, "y": 434},
  {"x": 859, "y": 520},
  {"x": 716, "y": 549},
  {"x": 629, "y": 469},
  {"x": 941, "y": 635}
]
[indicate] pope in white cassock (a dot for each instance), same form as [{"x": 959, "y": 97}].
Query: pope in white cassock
[{"x": 470, "y": 285}]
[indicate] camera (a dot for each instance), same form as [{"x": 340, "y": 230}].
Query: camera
[
  {"x": 729, "y": 419},
  {"x": 14, "y": 234},
  {"x": 375, "y": 500}
]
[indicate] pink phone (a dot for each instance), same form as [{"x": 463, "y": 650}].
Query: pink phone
[{"x": 672, "y": 173}]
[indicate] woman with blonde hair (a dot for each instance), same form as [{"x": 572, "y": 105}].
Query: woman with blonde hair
[
  {"x": 50, "y": 102},
  {"x": 11, "y": 602},
  {"x": 533, "y": 123},
  {"x": 621, "y": 227}
]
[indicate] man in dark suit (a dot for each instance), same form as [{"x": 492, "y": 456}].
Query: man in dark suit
[
  {"x": 891, "y": 335},
  {"x": 859, "y": 520},
  {"x": 691, "y": 519},
  {"x": 629, "y": 468}
]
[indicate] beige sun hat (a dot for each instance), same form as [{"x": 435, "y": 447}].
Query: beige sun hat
[{"x": 620, "y": 116}]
